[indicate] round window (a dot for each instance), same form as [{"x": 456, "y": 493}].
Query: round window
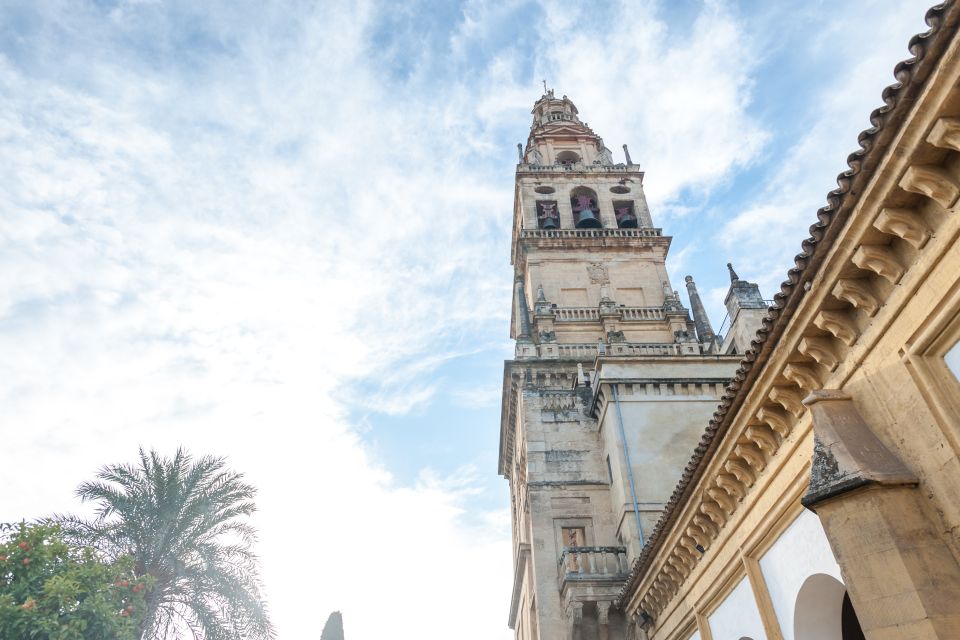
[
  {"x": 620, "y": 189},
  {"x": 544, "y": 189}
]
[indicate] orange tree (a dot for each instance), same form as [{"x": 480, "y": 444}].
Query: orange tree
[{"x": 50, "y": 590}]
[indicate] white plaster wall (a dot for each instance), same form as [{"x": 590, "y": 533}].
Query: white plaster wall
[
  {"x": 737, "y": 616},
  {"x": 800, "y": 552}
]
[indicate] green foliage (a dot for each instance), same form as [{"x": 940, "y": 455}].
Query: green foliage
[
  {"x": 184, "y": 523},
  {"x": 50, "y": 590}
]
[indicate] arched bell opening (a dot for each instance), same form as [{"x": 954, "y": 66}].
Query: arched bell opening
[
  {"x": 823, "y": 611},
  {"x": 586, "y": 213},
  {"x": 548, "y": 216},
  {"x": 568, "y": 157},
  {"x": 626, "y": 216}
]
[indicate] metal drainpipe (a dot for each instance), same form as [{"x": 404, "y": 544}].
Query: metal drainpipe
[{"x": 626, "y": 458}]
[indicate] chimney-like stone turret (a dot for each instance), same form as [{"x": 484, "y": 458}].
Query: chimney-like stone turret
[
  {"x": 746, "y": 309},
  {"x": 700, "y": 319}
]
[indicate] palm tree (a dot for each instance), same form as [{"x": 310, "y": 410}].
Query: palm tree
[{"x": 183, "y": 521}]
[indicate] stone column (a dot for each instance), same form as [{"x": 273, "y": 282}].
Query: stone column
[
  {"x": 700, "y": 319},
  {"x": 899, "y": 573},
  {"x": 603, "y": 620},
  {"x": 575, "y": 614}
]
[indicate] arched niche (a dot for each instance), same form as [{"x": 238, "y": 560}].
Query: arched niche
[
  {"x": 586, "y": 212},
  {"x": 823, "y": 611},
  {"x": 568, "y": 157}
]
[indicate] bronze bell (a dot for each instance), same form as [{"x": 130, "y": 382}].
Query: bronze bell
[
  {"x": 587, "y": 219},
  {"x": 628, "y": 221},
  {"x": 550, "y": 223}
]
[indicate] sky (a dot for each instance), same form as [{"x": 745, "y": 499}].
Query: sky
[{"x": 280, "y": 232}]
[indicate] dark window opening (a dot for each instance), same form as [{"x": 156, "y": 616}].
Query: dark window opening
[
  {"x": 586, "y": 213},
  {"x": 548, "y": 217},
  {"x": 626, "y": 216}
]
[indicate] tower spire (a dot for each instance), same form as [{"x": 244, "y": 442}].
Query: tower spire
[
  {"x": 733, "y": 274},
  {"x": 523, "y": 313},
  {"x": 700, "y": 319}
]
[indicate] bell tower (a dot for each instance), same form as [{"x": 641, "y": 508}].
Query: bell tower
[{"x": 610, "y": 386}]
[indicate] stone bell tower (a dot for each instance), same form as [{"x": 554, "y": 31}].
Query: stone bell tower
[{"x": 610, "y": 386}]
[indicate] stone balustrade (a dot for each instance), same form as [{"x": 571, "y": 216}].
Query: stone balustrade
[
  {"x": 578, "y": 167},
  {"x": 583, "y": 351},
  {"x": 627, "y": 314},
  {"x": 642, "y": 232},
  {"x": 592, "y": 563},
  {"x": 642, "y": 313}
]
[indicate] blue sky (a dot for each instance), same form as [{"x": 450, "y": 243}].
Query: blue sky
[{"x": 280, "y": 232}]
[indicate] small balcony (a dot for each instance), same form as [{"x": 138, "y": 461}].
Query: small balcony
[{"x": 597, "y": 565}]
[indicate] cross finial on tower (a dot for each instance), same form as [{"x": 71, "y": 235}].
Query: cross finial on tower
[{"x": 544, "y": 86}]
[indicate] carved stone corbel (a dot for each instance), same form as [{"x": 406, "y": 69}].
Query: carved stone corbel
[
  {"x": 734, "y": 488},
  {"x": 741, "y": 470},
  {"x": 673, "y": 576},
  {"x": 764, "y": 437},
  {"x": 722, "y": 498},
  {"x": 803, "y": 375},
  {"x": 776, "y": 418},
  {"x": 575, "y": 612},
  {"x": 788, "y": 397},
  {"x": 679, "y": 562},
  {"x": 880, "y": 259},
  {"x": 698, "y": 535},
  {"x": 945, "y": 134},
  {"x": 714, "y": 512},
  {"x": 820, "y": 349},
  {"x": 752, "y": 455},
  {"x": 705, "y": 523},
  {"x": 839, "y": 323},
  {"x": 903, "y": 223},
  {"x": 933, "y": 182},
  {"x": 857, "y": 293}
]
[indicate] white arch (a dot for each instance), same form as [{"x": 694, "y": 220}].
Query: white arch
[{"x": 818, "y": 612}]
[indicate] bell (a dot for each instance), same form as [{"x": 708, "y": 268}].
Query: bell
[
  {"x": 627, "y": 221},
  {"x": 587, "y": 219},
  {"x": 550, "y": 223}
]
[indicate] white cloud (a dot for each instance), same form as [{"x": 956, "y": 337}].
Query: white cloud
[
  {"x": 212, "y": 256},
  {"x": 678, "y": 99},
  {"x": 214, "y": 227},
  {"x": 867, "y": 41}
]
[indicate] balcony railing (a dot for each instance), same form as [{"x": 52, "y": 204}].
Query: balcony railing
[
  {"x": 642, "y": 232},
  {"x": 578, "y": 167},
  {"x": 628, "y": 314},
  {"x": 587, "y": 351},
  {"x": 593, "y": 563}
]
